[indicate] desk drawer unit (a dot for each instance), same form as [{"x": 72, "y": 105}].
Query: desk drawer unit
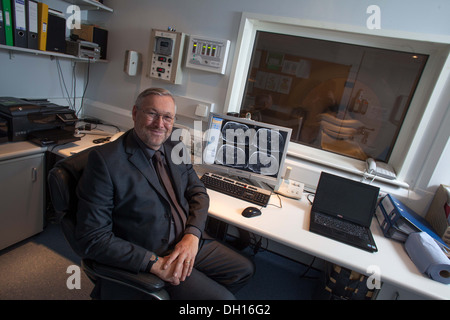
[{"x": 21, "y": 198}]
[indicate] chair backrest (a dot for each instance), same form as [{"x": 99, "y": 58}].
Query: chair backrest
[{"x": 62, "y": 182}]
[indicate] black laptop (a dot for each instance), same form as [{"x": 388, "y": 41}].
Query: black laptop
[{"x": 343, "y": 210}]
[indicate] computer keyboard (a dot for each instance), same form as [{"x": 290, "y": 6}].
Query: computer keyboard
[
  {"x": 337, "y": 224},
  {"x": 236, "y": 189}
]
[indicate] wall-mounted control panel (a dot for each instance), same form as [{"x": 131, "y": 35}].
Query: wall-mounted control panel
[
  {"x": 207, "y": 54},
  {"x": 165, "y": 55}
]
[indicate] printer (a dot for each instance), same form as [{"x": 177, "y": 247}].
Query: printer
[{"x": 25, "y": 117}]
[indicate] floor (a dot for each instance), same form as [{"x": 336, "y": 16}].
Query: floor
[{"x": 39, "y": 268}]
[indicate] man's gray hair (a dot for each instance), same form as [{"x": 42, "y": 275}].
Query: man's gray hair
[{"x": 153, "y": 92}]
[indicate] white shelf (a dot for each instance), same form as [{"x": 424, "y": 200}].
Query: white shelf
[
  {"x": 90, "y": 5},
  {"x": 51, "y": 54},
  {"x": 84, "y": 5}
]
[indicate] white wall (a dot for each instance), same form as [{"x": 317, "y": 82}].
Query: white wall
[
  {"x": 130, "y": 24},
  {"x": 25, "y": 75},
  {"x": 129, "y": 29},
  {"x": 111, "y": 92}
]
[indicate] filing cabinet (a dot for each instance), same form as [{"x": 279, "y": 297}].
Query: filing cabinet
[{"x": 22, "y": 192}]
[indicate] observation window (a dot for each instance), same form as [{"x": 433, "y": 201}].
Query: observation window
[{"x": 343, "y": 98}]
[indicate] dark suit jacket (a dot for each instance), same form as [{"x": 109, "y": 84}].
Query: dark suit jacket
[{"x": 122, "y": 211}]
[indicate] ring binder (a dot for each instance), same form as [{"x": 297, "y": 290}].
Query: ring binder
[
  {"x": 32, "y": 24},
  {"x": 19, "y": 23},
  {"x": 7, "y": 22}
]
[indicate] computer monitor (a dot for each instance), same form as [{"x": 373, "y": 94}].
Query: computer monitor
[{"x": 245, "y": 148}]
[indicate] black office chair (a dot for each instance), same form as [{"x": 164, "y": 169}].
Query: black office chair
[{"x": 62, "y": 181}]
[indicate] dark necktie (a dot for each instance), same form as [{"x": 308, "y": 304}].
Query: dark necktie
[{"x": 178, "y": 214}]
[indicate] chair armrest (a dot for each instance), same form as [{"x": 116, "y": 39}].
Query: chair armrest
[{"x": 145, "y": 282}]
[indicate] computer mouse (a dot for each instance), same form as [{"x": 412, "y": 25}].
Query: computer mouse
[{"x": 251, "y": 212}]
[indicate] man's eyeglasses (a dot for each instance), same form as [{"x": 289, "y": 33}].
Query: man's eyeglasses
[{"x": 167, "y": 119}]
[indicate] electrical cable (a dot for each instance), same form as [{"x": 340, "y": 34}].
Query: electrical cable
[
  {"x": 62, "y": 83},
  {"x": 85, "y": 87},
  {"x": 74, "y": 85},
  {"x": 307, "y": 197},
  {"x": 303, "y": 275}
]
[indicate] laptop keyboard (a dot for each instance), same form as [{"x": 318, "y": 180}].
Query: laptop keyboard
[{"x": 339, "y": 225}]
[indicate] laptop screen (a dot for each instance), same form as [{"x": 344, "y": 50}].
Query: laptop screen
[{"x": 345, "y": 198}]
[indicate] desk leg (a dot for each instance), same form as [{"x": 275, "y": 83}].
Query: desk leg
[
  {"x": 216, "y": 228},
  {"x": 219, "y": 230}
]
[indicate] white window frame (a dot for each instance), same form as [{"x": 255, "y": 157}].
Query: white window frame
[{"x": 423, "y": 105}]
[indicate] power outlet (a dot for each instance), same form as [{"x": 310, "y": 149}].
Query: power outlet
[{"x": 201, "y": 110}]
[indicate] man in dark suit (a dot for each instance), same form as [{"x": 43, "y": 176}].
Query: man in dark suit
[{"x": 128, "y": 219}]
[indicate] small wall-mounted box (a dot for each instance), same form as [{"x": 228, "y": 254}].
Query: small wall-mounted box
[
  {"x": 207, "y": 54},
  {"x": 131, "y": 62},
  {"x": 201, "y": 110}
]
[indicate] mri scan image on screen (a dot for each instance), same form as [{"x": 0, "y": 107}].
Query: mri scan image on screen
[{"x": 245, "y": 148}]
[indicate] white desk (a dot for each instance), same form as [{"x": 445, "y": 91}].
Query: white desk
[
  {"x": 289, "y": 225},
  {"x": 86, "y": 142}
]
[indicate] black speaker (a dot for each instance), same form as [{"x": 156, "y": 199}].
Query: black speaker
[
  {"x": 3, "y": 130},
  {"x": 56, "y": 33},
  {"x": 100, "y": 37}
]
